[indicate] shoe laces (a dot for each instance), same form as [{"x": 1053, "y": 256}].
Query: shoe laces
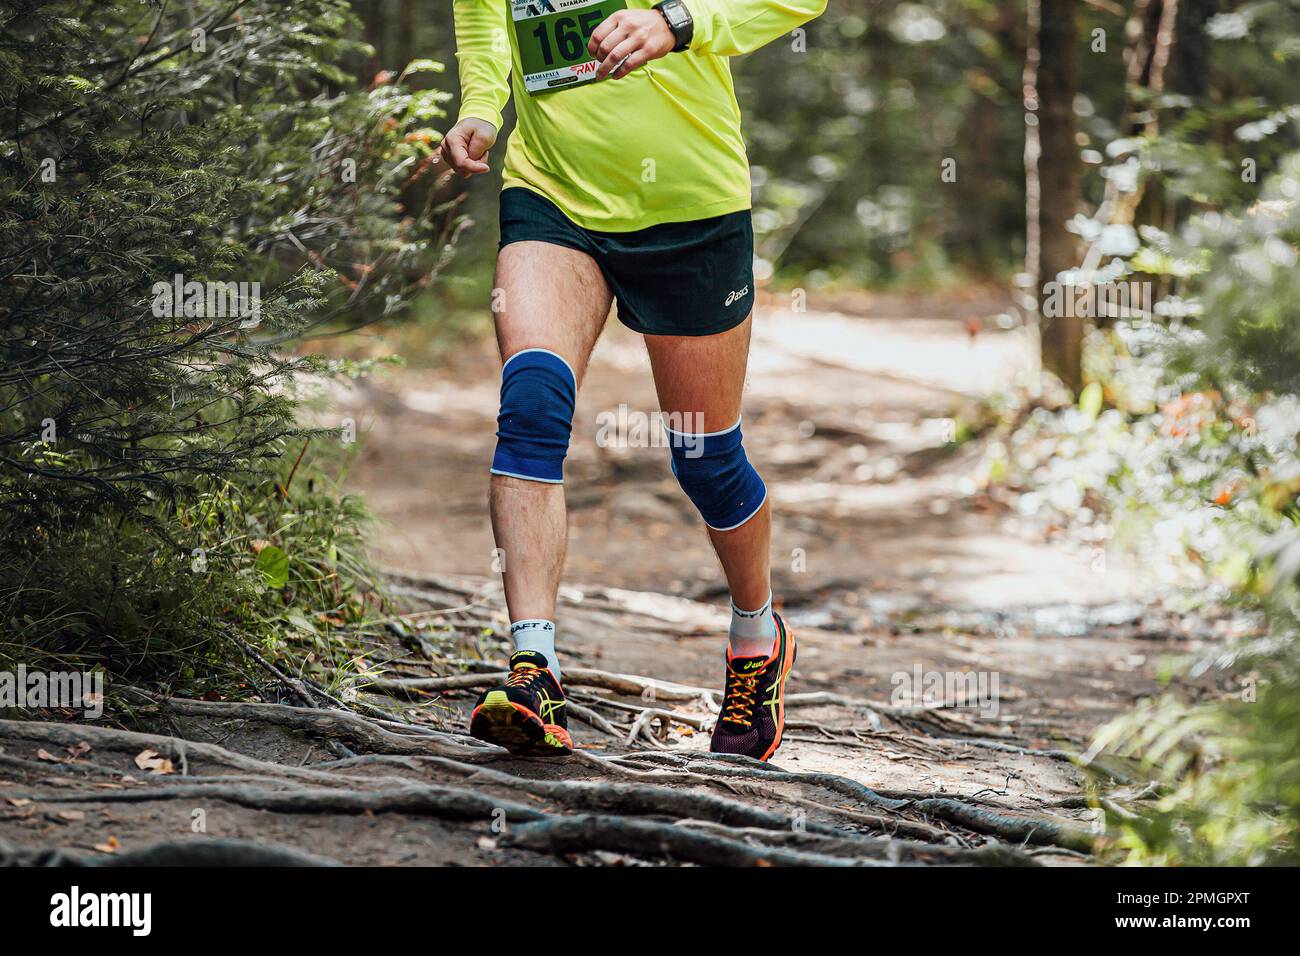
[
  {"x": 741, "y": 689},
  {"x": 523, "y": 676}
]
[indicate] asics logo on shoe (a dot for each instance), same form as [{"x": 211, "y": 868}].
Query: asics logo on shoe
[
  {"x": 774, "y": 701},
  {"x": 549, "y": 705},
  {"x": 737, "y": 296},
  {"x": 753, "y": 665}
]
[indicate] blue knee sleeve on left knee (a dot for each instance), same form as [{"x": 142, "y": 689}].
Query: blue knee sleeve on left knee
[
  {"x": 715, "y": 474},
  {"x": 538, "y": 390}
]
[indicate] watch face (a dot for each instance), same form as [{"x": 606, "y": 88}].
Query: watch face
[{"x": 677, "y": 14}]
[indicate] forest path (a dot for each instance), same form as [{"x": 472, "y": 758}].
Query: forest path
[{"x": 898, "y": 578}]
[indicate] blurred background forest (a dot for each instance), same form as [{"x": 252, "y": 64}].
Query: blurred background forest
[{"x": 160, "y": 490}]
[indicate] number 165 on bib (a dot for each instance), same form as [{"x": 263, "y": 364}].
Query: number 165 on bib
[{"x": 553, "y": 35}]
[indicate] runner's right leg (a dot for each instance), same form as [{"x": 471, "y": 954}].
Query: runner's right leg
[{"x": 555, "y": 299}]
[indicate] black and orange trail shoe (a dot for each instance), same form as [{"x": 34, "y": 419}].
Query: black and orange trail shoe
[
  {"x": 526, "y": 713},
  {"x": 753, "y": 701}
]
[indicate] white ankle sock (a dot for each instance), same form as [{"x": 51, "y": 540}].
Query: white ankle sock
[
  {"x": 537, "y": 634},
  {"x": 752, "y": 633}
]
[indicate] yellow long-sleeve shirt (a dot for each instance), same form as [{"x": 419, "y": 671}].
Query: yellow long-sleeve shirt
[{"x": 663, "y": 144}]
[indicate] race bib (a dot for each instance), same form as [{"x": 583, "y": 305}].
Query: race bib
[{"x": 553, "y": 37}]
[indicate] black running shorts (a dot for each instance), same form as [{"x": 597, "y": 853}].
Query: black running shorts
[{"x": 677, "y": 278}]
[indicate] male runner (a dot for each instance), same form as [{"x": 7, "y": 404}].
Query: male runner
[{"x": 625, "y": 178}]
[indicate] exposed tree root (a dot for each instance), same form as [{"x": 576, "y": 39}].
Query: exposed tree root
[
  {"x": 1016, "y": 829},
  {"x": 296, "y": 687},
  {"x": 193, "y": 852},
  {"x": 359, "y": 732},
  {"x": 132, "y": 742},
  {"x": 730, "y": 765},
  {"x": 646, "y": 801},
  {"x": 642, "y": 799},
  {"x": 419, "y": 799},
  {"x": 584, "y": 833},
  {"x": 894, "y": 850},
  {"x": 590, "y": 717}
]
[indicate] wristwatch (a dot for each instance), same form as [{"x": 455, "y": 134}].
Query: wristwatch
[{"x": 679, "y": 21}]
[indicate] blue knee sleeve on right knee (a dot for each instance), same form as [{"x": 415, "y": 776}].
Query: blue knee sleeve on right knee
[
  {"x": 538, "y": 391},
  {"x": 716, "y": 475}
]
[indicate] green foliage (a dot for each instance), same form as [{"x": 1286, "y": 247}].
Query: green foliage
[
  {"x": 1231, "y": 771},
  {"x": 145, "y": 145},
  {"x": 1197, "y": 466},
  {"x": 1233, "y": 766}
]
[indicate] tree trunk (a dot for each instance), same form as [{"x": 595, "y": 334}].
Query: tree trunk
[
  {"x": 373, "y": 22},
  {"x": 406, "y": 33},
  {"x": 1052, "y": 187},
  {"x": 1192, "y": 54}
]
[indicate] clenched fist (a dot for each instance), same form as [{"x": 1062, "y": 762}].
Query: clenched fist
[{"x": 465, "y": 147}]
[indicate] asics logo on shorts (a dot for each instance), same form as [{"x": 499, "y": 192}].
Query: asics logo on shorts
[{"x": 737, "y": 296}]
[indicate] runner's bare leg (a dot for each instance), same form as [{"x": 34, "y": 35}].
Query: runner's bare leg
[
  {"x": 552, "y": 298},
  {"x": 706, "y": 374}
]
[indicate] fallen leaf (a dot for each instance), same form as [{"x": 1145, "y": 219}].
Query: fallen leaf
[
  {"x": 72, "y": 816},
  {"x": 79, "y": 748},
  {"x": 46, "y": 755},
  {"x": 110, "y": 846},
  {"x": 154, "y": 762},
  {"x": 20, "y": 801}
]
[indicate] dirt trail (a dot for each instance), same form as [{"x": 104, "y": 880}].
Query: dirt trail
[{"x": 890, "y": 568}]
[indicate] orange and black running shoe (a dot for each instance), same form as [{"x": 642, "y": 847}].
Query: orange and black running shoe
[
  {"x": 753, "y": 701},
  {"x": 526, "y": 713}
]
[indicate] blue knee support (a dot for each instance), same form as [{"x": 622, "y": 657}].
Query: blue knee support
[
  {"x": 538, "y": 390},
  {"x": 715, "y": 474}
]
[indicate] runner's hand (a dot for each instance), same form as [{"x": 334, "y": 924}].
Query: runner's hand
[
  {"x": 628, "y": 40},
  {"x": 465, "y": 147}
]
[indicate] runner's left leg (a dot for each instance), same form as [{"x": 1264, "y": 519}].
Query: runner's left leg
[{"x": 706, "y": 375}]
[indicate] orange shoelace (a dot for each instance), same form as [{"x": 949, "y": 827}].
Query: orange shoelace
[
  {"x": 740, "y": 698},
  {"x": 522, "y": 676}
]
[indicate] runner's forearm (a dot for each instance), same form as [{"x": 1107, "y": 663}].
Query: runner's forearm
[
  {"x": 483, "y": 53},
  {"x": 733, "y": 27}
]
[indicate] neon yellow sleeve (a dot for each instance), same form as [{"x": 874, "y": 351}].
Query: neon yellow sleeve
[
  {"x": 733, "y": 27},
  {"x": 483, "y": 53}
]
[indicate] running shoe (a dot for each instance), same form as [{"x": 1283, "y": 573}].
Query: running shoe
[
  {"x": 753, "y": 700},
  {"x": 526, "y": 713}
]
